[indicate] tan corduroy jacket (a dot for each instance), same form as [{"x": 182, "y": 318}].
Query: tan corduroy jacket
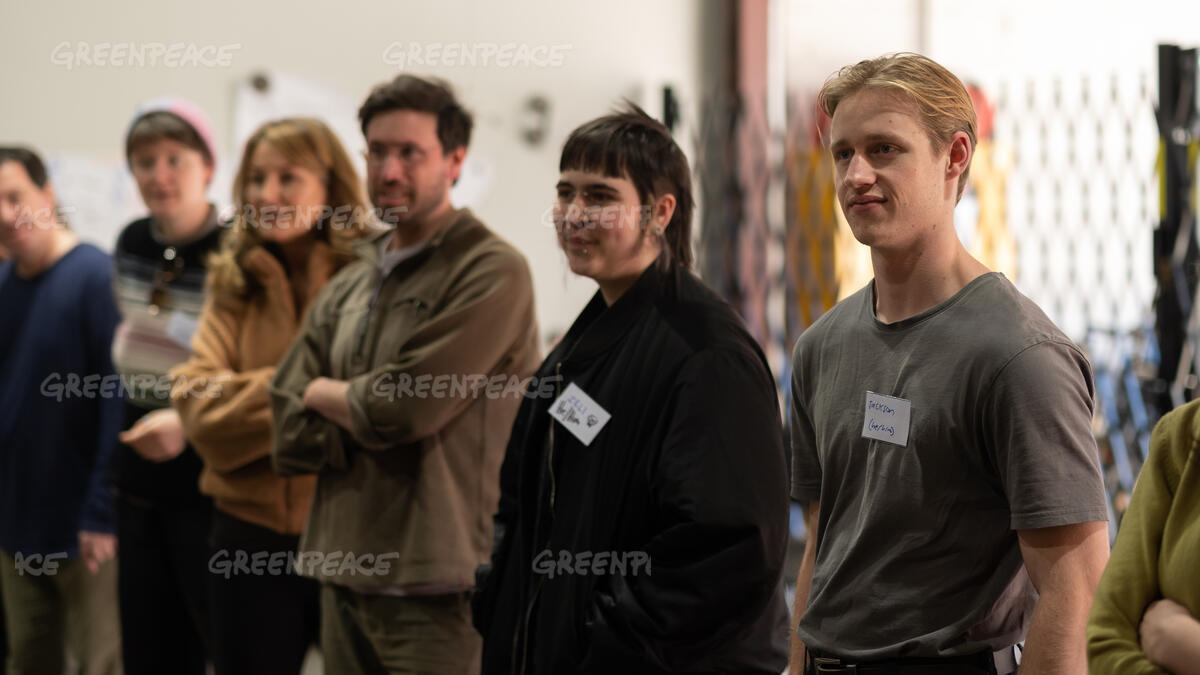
[
  {"x": 221, "y": 392},
  {"x": 437, "y": 354}
]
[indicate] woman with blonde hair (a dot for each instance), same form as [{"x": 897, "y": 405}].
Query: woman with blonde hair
[{"x": 300, "y": 206}]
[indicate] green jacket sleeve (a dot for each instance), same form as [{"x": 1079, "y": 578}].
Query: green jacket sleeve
[
  {"x": 1130, "y": 581},
  {"x": 304, "y": 441}
]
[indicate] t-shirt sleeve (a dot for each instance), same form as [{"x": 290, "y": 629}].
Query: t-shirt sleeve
[
  {"x": 806, "y": 464},
  {"x": 1038, "y": 433}
]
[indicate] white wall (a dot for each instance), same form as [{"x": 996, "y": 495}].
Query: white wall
[
  {"x": 1033, "y": 37},
  {"x": 986, "y": 41},
  {"x": 614, "y": 49},
  {"x": 823, "y": 36}
]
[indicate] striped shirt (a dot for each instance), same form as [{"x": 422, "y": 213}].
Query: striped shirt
[{"x": 160, "y": 292}]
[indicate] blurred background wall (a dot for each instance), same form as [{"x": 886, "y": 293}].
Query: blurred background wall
[{"x": 72, "y": 98}]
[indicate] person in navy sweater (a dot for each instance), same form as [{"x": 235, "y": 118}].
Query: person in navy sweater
[{"x": 60, "y": 413}]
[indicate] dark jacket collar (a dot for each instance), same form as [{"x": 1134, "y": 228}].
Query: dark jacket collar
[{"x": 600, "y": 327}]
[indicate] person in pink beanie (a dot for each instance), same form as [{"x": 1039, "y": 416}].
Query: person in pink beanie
[{"x": 161, "y": 267}]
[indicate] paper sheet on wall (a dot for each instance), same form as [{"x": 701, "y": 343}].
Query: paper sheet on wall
[
  {"x": 96, "y": 198},
  {"x": 286, "y": 95}
]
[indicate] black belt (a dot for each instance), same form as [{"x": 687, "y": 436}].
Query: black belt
[{"x": 824, "y": 664}]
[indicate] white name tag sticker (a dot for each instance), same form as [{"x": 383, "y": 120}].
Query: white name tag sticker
[
  {"x": 181, "y": 328},
  {"x": 886, "y": 418},
  {"x": 582, "y": 416}
]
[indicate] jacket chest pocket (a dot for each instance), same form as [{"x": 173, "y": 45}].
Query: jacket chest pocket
[
  {"x": 399, "y": 320},
  {"x": 369, "y": 336}
]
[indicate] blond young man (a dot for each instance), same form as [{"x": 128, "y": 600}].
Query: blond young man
[{"x": 940, "y": 422}]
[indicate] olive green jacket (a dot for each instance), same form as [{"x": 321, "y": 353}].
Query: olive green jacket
[
  {"x": 1157, "y": 554},
  {"x": 405, "y": 497}
]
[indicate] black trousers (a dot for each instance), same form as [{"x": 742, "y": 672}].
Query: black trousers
[
  {"x": 161, "y": 586},
  {"x": 264, "y": 618}
]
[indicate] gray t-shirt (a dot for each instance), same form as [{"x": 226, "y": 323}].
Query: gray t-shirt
[
  {"x": 389, "y": 257},
  {"x": 917, "y": 553}
]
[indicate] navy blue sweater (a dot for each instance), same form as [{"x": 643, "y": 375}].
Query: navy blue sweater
[{"x": 60, "y": 403}]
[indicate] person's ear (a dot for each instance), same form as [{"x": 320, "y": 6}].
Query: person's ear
[
  {"x": 455, "y": 158},
  {"x": 959, "y": 156},
  {"x": 661, "y": 213},
  {"x": 53, "y": 199}
]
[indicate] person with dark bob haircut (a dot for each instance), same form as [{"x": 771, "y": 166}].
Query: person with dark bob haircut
[{"x": 643, "y": 511}]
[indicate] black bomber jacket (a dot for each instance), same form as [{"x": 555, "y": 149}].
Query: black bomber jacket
[{"x": 659, "y": 546}]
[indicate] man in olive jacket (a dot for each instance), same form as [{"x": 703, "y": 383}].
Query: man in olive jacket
[{"x": 399, "y": 393}]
